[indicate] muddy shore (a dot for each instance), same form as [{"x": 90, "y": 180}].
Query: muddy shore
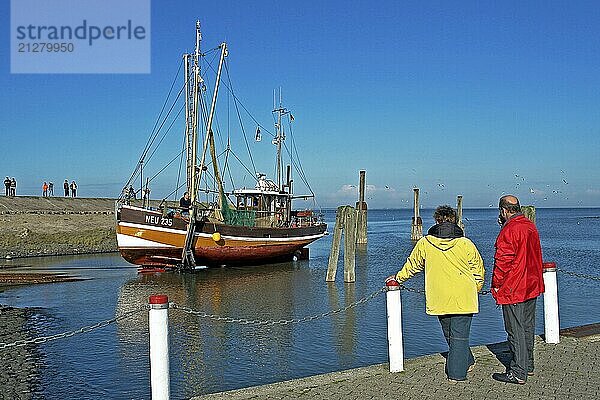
[{"x": 19, "y": 366}]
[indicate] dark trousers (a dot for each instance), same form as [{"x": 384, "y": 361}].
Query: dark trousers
[
  {"x": 519, "y": 322},
  {"x": 457, "y": 328}
]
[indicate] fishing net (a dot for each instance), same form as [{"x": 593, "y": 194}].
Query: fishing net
[{"x": 232, "y": 216}]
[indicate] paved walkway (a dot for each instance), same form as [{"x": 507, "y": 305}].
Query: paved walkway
[{"x": 568, "y": 370}]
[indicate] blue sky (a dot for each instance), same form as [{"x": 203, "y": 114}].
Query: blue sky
[{"x": 473, "y": 98}]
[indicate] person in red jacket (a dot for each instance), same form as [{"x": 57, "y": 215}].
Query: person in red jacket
[{"x": 517, "y": 281}]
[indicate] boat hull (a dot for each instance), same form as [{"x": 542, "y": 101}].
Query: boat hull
[{"x": 147, "y": 237}]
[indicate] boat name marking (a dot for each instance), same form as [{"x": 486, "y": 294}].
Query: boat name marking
[{"x": 160, "y": 221}]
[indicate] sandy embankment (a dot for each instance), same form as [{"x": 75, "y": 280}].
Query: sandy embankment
[{"x": 39, "y": 226}]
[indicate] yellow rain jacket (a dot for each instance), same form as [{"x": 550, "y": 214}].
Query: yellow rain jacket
[{"x": 453, "y": 274}]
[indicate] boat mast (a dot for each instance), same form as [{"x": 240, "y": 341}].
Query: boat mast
[
  {"x": 193, "y": 82},
  {"x": 279, "y": 138},
  {"x": 187, "y": 257}
]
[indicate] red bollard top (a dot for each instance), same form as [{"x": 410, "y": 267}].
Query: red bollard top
[
  {"x": 549, "y": 266},
  {"x": 158, "y": 299},
  {"x": 392, "y": 284}
]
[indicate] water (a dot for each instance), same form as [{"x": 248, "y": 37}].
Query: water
[{"x": 208, "y": 356}]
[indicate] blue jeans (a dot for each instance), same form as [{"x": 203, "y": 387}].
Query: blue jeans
[{"x": 456, "y": 328}]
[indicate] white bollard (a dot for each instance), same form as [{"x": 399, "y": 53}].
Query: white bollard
[
  {"x": 394, "y": 318},
  {"x": 158, "y": 322},
  {"x": 551, "y": 322}
]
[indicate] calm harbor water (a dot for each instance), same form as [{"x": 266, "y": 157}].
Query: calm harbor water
[{"x": 211, "y": 356}]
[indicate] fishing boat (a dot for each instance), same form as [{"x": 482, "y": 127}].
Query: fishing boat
[{"x": 242, "y": 225}]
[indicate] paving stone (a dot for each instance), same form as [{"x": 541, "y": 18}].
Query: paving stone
[{"x": 568, "y": 370}]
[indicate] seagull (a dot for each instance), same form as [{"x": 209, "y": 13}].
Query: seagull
[{"x": 531, "y": 190}]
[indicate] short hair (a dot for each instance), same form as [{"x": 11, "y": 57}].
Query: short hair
[
  {"x": 512, "y": 208},
  {"x": 444, "y": 213}
]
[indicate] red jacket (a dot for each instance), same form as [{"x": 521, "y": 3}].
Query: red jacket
[{"x": 517, "y": 272}]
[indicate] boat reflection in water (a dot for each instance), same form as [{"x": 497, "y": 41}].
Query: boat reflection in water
[{"x": 207, "y": 355}]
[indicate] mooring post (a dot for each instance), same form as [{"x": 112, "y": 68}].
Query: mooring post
[
  {"x": 361, "y": 209},
  {"x": 551, "y": 321},
  {"x": 335, "y": 245},
  {"x": 416, "y": 232},
  {"x": 394, "y": 326},
  {"x": 350, "y": 245},
  {"x": 158, "y": 323},
  {"x": 529, "y": 212},
  {"x": 459, "y": 212}
]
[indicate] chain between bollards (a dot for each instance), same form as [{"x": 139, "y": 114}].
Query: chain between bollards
[
  {"x": 63, "y": 335},
  {"x": 245, "y": 321},
  {"x": 578, "y": 275}
]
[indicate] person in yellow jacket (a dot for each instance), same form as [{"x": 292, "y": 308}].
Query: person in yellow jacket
[{"x": 454, "y": 275}]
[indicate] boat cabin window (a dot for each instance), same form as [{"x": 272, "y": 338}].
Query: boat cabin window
[
  {"x": 249, "y": 202},
  {"x": 266, "y": 204}
]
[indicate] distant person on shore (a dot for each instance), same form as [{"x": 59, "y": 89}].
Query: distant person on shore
[
  {"x": 185, "y": 203},
  {"x": 45, "y": 189},
  {"x": 13, "y": 187},
  {"x": 7, "y": 186},
  {"x": 66, "y": 187},
  {"x": 517, "y": 281},
  {"x": 453, "y": 276},
  {"x": 73, "y": 189},
  {"x": 50, "y": 189}
]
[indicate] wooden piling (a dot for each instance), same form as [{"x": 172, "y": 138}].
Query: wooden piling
[
  {"x": 335, "y": 245},
  {"x": 361, "y": 209},
  {"x": 416, "y": 232},
  {"x": 529, "y": 212},
  {"x": 345, "y": 220},
  {"x": 350, "y": 245},
  {"x": 459, "y": 212}
]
